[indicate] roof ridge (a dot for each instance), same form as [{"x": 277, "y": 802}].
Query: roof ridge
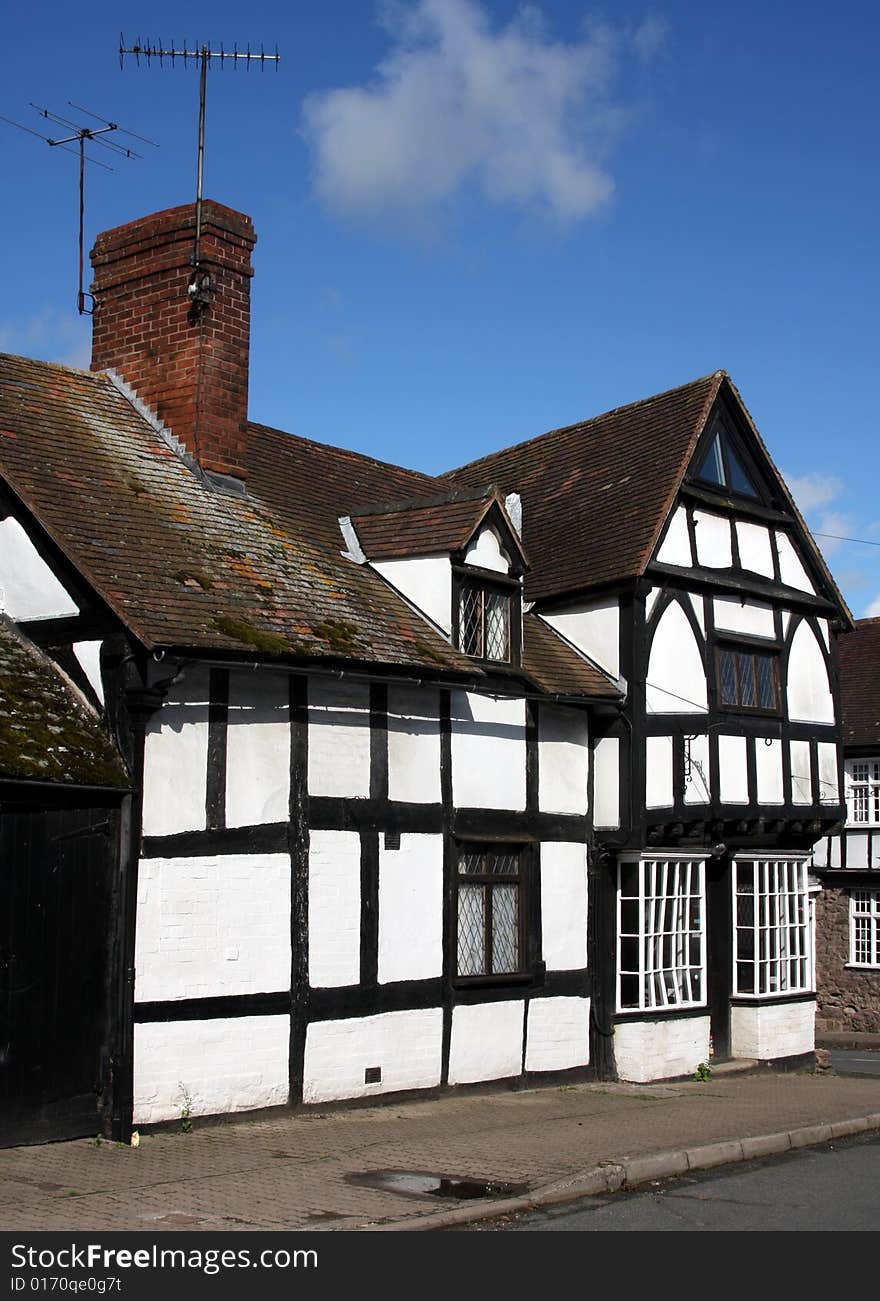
[
  {"x": 581, "y": 424},
  {"x": 345, "y": 451}
]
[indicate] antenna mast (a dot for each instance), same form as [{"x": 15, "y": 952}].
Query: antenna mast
[
  {"x": 203, "y": 55},
  {"x": 81, "y": 134}
]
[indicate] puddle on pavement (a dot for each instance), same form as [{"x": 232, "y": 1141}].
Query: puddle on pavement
[{"x": 419, "y": 1183}]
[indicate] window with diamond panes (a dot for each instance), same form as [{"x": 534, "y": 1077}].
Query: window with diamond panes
[
  {"x": 747, "y": 679},
  {"x": 484, "y": 621},
  {"x": 661, "y": 934},
  {"x": 863, "y": 795},
  {"x": 864, "y": 928},
  {"x": 772, "y": 935},
  {"x": 490, "y": 911}
]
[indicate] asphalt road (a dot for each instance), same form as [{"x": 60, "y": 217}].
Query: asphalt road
[
  {"x": 855, "y": 1061},
  {"x": 833, "y": 1187}
]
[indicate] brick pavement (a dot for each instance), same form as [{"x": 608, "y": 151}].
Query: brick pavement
[{"x": 292, "y": 1169}]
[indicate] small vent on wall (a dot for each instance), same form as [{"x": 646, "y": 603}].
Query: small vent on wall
[
  {"x": 373, "y": 1075},
  {"x": 392, "y": 840}
]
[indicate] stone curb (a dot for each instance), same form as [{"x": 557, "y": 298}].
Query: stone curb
[{"x": 631, "y": 1172}]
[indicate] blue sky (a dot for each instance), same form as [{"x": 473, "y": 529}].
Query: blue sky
[{"x": 478, "y": 221}]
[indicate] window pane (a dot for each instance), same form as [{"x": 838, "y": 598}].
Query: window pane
[
  {"x": 471, "y": 930},
  {"x": 505, "y": 928},
  {"x": 728, "y": 678},
  {"x": 712, "y": 468},
  {"x": 746, "y": 669},
  {"x": 470, "y": 618},
  {"x": 738, "y": 480},
  {"x": 766, "y": 682},
  {"x": 497, "y": 626}
]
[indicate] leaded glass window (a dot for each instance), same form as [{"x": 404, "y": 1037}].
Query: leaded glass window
[
  {"x": 747, "y": 679},
  {"x": 484, "y": 614},
  {"x": 490, "y": 911}
]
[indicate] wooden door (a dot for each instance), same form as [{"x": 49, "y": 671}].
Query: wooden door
[{"x": 56, "y": 886}]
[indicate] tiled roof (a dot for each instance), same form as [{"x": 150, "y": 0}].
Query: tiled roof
[
  {"x": 595, "y": 495},
  {"x": 47, "y": 733},
  {"x": 557, "y": 668},
  {"x": 441, "y": 528},
  {"x": 860, "y": 683},
  {"x": 186, "y": 566}
]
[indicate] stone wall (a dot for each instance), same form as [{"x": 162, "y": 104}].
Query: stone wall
[{"x": 848, "y": 997}]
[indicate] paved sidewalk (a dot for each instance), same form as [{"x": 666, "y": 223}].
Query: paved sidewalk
[{"x": 298, "y": 1170}]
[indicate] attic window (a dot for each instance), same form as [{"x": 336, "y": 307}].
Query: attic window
[
  {"x": 485, "y": 613},
  {"x": 722, "y": 467}
]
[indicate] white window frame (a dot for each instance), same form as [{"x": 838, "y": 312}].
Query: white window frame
[
  {"x": 866, "y": 786},
  {"x": 671, "y": 904},
  {"x": 864, "y": 906},
  {"x": 782, "y": 948}
]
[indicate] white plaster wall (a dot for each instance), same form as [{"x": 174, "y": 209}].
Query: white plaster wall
[
  {"x": 770, "y": 1031},
  {"x": 699, "y": 608},
  {"x": 557, "y": 1034},
  {"x": 224, "y": 1065},
  {"x": 733, "y": 774},
  {"x": 606, "y": 782},
  {"x": 768, "y": 770},
  {"x": 339, "y": 738},
  {"x": 486, "y": 552},
  {"x": 659, "y": 1050},
  {"x": 658, "y": 772},
  {"x": 488, "y": 752},
  {"x": 651, "y": 600},
  {"x": 697, "y": 790},
  {"x": 856, "y": 850},
  {"x": 801, "y": 773},
  {"x": 750, "y": 617},
  {"x": 334, "y": 908},
  {"x": 411, "y": 909},
  {"x": 176, "y": 758},
  {"x": 594, "y": 629},
  {"x": 675, "y": 549},
  {"x": 257, "y": 749},
  {"x": 809, "y": 691},
  {"x": 714, "y": 547},
  {"x": 676, "y": 682},
  {"x": 487, "y": 1041},
  {"x": 211, "y": 927},
  {"x": 563, "y": 760},
  {"x": 827, "y": 763},
  {"x": 414, "y": 745},
  {"x": 791, "y": 570},
  {"x": 407, "y": 1046},
  {"x": 564, "y": 905},
  {"x": 28, "y": 587},
  {"x": 755, "y": 548},
  {"x": 425, "y": 581},
  {"x": 89, "y": 655},
  {"x": 825, "y": 631}
]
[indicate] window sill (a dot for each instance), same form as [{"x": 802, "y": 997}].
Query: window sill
[
  {"x": 861, "y": 966},
  {"x": 517, "y": 978}
]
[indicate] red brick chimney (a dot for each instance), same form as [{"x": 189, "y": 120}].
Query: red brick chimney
[{"x": 184, "y": 353}]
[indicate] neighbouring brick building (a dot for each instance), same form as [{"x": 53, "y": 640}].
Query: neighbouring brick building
[
  {"x": 848, "y": 909},
  {"x": 509, "y": 773}
]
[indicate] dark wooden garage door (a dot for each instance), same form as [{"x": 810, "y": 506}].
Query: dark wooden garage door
[{"x": 56, "y": 878}]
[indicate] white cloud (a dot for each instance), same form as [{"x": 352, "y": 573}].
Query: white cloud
[
  {"x": 524, "y": 118},
  {"x": 873, "y": 610},
  {"x": 812, "y": 490}
]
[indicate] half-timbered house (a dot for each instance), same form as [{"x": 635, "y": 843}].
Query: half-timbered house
[
  {"x": 848, "y": 863},
  {"x": 498, "y": 775}
]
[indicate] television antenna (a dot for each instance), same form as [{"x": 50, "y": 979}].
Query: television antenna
[
  {"x": 201, "y": 56},
  {"x": 82, "y": 134}
]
